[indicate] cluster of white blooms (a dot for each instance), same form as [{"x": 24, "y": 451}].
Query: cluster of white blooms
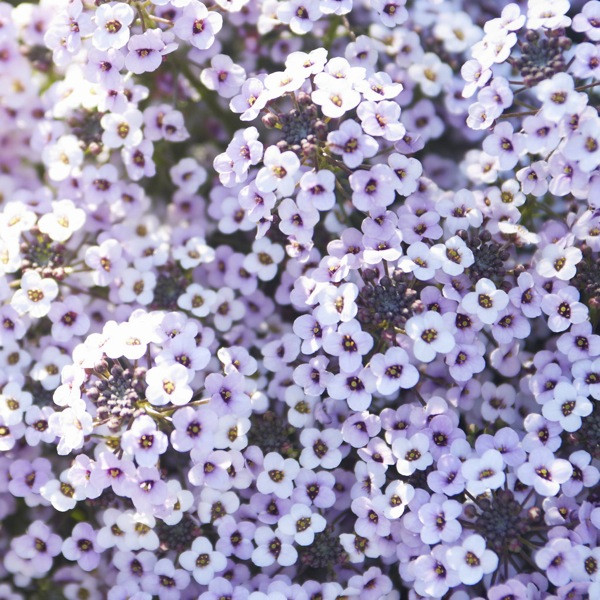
[{"x": 300, "y": 300}]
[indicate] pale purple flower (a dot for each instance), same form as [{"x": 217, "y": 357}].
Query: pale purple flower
[
  {"x": 412, "y": 453},
  {"x": 198, "y": 26},
  {"x": 81, "y": 547},
  {"x": 556, "y": 559},
  {"x": 144, "y": 441},
  {"x": 273, "y": 547},
  {"x": 430, "y": 336},
  {"x": 472, "y": 560},
  {"x": 484, "y": 473},
  {"x": 352, "y": 143},
  {"x": 302, "y": 524},
  {"x": 145, "y": 51},
  {"x": 545, "y": 472},
  {"x": 563, "y": 309},
  {"x": 349, "y": 343},
  {"x": 202, "y": 561},
  {"x": 112, "y": 25},
  {"x": 587, "y": 20},
  {"x": 567, "y": 407},
  {"x": 393, "y": 371},
  {"x": 321, "y": 448}
]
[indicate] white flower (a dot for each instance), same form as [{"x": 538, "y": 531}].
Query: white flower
[
  {"x": 454, "y": 255},
  {"x": 264, "y": 259},
  {"x": 195, "y": 251},
  {"x": 420, "y": 261},
  {"x": 144, "y": 442},
  {"x": 430, "y": 73},
  {"x": 381, "y": 119},
  {"x": 302, "y": 524},
  {"x": 412, "y": 454},
  {"x": 567, "y": 407},
  {"x": 112, "y": 25},
  {"x": 484, "y": 473},
  {"x": 548, "y": 14},
  {"x": 198, "y": 26},
  {"x": 486, "y": 301},
  {"x": 71, "y": 425},
  {"x": 197, "y": 300},
  {"x": 63, "y": 221},
  {"x": 146, "y": 51},
  {"x": 336, "y": 101},
  {"x": 273, "y": 547},
  {"x": 559, "y": 262},
  {"x": 559, "y": 97},
  {"x": 545, "y": 472},
  {"x": 300, "y": 14},
  {"x": 279, "y": 172},
  {"x": 202, "y": 561},
  {"x": 472, "y": 560},
  {"x": 168, "y": 383},
  {"x": 223, "y": 76},
  {"x": 349, "y": 343},
  {"x": 393, "y": 371},
  {"x": 62, "y": 157},
  {"x": 61, "y": 494},
  {"x": 122, "y": 129},
  {"x": 430, "y": 335},
  {"x": 137, "y": 286},
  {"x": 35, "y": 295},
  {"x": 278, "y": 475}
]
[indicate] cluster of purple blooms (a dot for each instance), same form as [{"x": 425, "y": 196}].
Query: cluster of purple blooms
[{"x": 300, "y": 300}]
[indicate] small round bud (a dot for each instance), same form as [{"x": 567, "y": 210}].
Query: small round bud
[
  {"x": 270, "y": 120},
  {"x": 304, "y": 98}
]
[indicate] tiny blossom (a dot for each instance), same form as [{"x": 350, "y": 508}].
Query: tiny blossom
[
  {"x": 393, "y": 371},
  {"x": 587, "y": 20},
  {"x": 567, "y": 407},
  {"x": 35, "y": 295},
  {"x": 485, "y": 473},
  {"x": 112, "y": 26},
  {"x": 486, "y": 301},
  {"x": 472, "y": 560},
  {"x": 198, "y": 26},
  {"x": 381, "y": 119},
  {"x": 412, "y": 453},
  {"x": 271, "y": 548},
  {"x": 320, "y": 448},
  {"x": 558, "y": 96},
  {"x": 278, "y": 475},
  {"x": 264, "y": 259},
  {"x": 223, "y": 76},
  {"x": 300, "y": 14},
  {"x": 545, "y": 472},
  {"x": 430, "y": 73},
  {"x": 144, "y": 441},
  {"x": 335, "y": 102},
  {"x": 504, "y": 144},
  {"x": 360, "y": 331},
  {"x": 202, "y": 561},
  {"x": 302, "y": 524},
  {"x": 558, "y": 262},
  {"x": 563, "y": 308},
  {"x": 145, "y": 51},
  {"x": 430, "y": 336},
  {"x": 352, "y": 143},
  {"x": 454, "y": 255},
  {"x": 349, "y": 343}
]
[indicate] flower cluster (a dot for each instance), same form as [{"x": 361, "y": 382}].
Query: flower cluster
[{"x": 300, "y": 299}]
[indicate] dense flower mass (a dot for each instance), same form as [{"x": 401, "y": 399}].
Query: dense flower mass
[{"x": 300, "y": 299}]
